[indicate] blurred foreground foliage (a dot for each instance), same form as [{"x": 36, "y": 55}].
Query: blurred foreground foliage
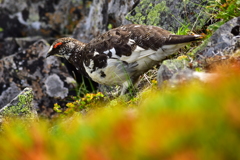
[{"x": 194, "y": 121}]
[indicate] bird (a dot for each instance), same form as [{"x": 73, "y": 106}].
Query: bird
[{"x": 121, "y": 55}]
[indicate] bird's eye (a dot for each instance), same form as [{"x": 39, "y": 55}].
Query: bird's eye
[{"x": 57, "y": 44}]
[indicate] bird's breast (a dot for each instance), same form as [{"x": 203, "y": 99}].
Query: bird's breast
[{"x": 114, "y": 73}]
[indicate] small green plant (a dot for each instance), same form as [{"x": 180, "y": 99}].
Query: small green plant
[
  {"x": 88, "y": 101},
  {"x": 110, "y": 26},
  {"x": 81, "y": 89},
  {"x": 222, "y": 11},
  {"x": 183, "y": 57},
  {"x": 184, "y": 30}
]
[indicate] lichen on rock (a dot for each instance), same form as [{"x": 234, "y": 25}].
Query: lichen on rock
[
  {"x": 55, "y": 87},
  {"x": 170, "y": 15},
  {"x": 20, "y": 106}
]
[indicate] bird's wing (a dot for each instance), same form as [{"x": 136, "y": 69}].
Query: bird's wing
[{"x": 129, "y": 43}]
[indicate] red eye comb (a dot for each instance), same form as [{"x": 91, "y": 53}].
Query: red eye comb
[{"x": 58, "y": 44}]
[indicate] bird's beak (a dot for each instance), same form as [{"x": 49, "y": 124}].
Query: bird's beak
[{"x": 49, "y": 52}]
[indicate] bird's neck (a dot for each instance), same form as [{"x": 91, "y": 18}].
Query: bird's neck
[
  {"x": 76, "y": 54},
  {"x": 77, "y": 57}
]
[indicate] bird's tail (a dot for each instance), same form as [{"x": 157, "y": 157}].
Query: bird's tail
[{"x": 176, "y": 39}]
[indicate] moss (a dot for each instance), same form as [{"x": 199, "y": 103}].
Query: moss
[
  {"x": 22, "y": 106},
  {"x": 155, "y": 13},
  {"x": 170, "y": 15},
  {"x": 148, "y": 13}
]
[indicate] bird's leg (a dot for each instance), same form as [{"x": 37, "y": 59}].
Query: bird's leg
[
  {"x": 125, "y": 87},
  {"x": 129, "y": 87}
]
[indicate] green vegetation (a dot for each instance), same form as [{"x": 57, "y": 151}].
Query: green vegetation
[{"x": 85, "y": 103}]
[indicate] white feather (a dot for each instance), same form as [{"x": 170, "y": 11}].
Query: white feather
[
  {"x": 130, "y": 42},
  {"x": 113, "y": 51},
  {"x": 95, "y": 53},
  {"x": 115, "y": 73},
  {"x": 106, "y": 52},
  {"x": 91, "y": 64},
  {"x": 136, "y": 54}
]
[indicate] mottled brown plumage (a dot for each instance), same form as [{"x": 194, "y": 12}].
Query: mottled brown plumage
[{"x": 120, "y": 55}]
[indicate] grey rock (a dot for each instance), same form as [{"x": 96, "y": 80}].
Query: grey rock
[
  {"x": 55, "y": 87},
  {"x": 117, "y": 11},
  {"x": 173, "y": 73},
  {"x": 8, "y": 47},
  {"x": 9, "y": 92},
  {"x": 225, "y": 41},
  {"x": 169, "y": 68},
  {"x": 95, "y": 22},
  {"x": 24, "y": 42},
  {"x": 181, "y": 76},
  {"x": 185, "y": 75},
  {"x": 170, "y": 14},
  {"x": 12, "y": 45},
  {"x": 101, "y": 14},
  {"x": 45, "y": 18},
  {"x": 30, "y": 68}
]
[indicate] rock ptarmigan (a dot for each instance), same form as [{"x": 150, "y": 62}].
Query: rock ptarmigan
[{"x": 121, "y": 55}]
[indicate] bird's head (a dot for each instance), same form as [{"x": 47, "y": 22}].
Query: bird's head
[{"x": 64, "y": 47}]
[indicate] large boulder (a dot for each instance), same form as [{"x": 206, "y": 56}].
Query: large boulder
[
  {"x": 21, "y": 106},
  {"x": 170, "y": 14},
  {"x": 175, "y": 72},
  {"x": 224, "y": 41},
  {"x": 103, "y": 15},
  {"x": 48, "y": 78},
  {"x": 45, "y": 18}
]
